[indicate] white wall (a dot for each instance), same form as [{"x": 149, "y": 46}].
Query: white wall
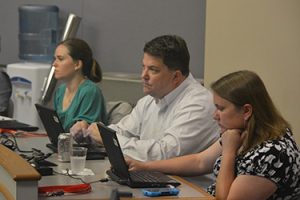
[
  {"x": 259, "y": 35},
  {"x": 122, "y": 87}
]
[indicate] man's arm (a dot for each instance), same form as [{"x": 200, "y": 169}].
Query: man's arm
[
  {"x": 190, "y": 129},
  {"x": 188, "y": 165}
]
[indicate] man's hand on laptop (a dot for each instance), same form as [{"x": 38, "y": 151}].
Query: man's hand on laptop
[
  {"x": 78, "y": 131},
  {"x": 79, "y": 127},
  {"x": 82, "y": 132},
  {"x": 94, "y": 133},
  {"x": 134, "y": 165}
]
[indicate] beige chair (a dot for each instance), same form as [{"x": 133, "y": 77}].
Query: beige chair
[{"x": 116, "y": 110}]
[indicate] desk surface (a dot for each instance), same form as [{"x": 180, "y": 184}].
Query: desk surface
[{"x": 99, "y": 190}]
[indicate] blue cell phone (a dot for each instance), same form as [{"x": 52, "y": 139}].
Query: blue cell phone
[{"x": 154, "y": 192}]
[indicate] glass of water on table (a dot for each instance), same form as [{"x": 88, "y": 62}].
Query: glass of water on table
[{"x": 78, "y": 157}]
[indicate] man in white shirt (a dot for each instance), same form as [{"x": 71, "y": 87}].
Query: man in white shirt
[{"x": 175, "y": 116}]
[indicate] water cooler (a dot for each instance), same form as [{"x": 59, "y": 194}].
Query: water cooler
[
  {"x": 38, "y": 37},
  {"x": 27, "y": 79}
]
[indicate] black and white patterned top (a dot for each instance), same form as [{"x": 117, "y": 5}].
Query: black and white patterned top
[{"x": 276, "y": 160}]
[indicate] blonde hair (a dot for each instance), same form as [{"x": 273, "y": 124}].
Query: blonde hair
[{"x": 245, "y": 87}]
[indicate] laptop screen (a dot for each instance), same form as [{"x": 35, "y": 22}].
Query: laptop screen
[
  {"x": 51, "y": 122},
  {"x": 114, "y": 152}
]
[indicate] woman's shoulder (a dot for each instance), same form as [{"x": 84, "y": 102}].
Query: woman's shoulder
[
  {"x": 272, "y": 157},
  {"x": 89, "y": 89},
  {"x": 276, "y": 160},
  {"x": 88, "y": 86},
  {"x": 268, "y": 151},
  {"x": 88, "y": 83},
  {"x": 285, "y": 143}
]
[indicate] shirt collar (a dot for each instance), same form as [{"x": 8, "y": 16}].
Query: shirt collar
[{"x": 169, "y": 98}]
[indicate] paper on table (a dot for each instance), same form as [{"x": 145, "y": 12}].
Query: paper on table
[{"x": 85, "y": 172}]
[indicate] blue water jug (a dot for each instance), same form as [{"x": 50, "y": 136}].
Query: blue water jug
[{"x": 38, "y": 32}]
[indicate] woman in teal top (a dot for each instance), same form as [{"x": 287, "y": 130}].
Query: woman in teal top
[{"x": 78, "y": 97}]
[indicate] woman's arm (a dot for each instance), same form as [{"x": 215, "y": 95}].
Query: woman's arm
[
  {"x": 231, "y": 142},
  {"x": 243, "y": 187},
  {"x": 246, "y": 187},
  {"x": 189, "y": 165}
]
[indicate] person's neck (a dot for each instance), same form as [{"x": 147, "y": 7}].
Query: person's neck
[
  {"x": 180, "y": 81},
  {"x": 157, "y": 99},
  {"x": 73, "y": 84}
]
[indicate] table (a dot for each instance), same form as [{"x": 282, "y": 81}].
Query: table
[{"x": 100, "y": 190}]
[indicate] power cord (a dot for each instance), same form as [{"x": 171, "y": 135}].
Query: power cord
[{"x": 115, "y": 194}]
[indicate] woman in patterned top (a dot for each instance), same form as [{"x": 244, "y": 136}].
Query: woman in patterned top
[{"x": 256, "y": 156}]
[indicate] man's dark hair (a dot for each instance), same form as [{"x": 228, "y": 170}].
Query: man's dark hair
[{"x": 172, "y": 50}]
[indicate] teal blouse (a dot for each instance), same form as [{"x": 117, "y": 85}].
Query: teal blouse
[{"x": 88, "y": 104}]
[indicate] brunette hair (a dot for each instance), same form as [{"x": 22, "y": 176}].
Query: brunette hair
[
  {"x": 246, "y": 87},
  {"x": 80, "y": 50}
]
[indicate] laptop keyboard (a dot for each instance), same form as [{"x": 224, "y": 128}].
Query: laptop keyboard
[{"x": 148, "y": 176}]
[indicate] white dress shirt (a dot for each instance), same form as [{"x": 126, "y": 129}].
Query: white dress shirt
[{"x": 178, "y": 124}]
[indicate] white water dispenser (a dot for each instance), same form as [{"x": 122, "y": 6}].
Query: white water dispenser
[{"x": 27, "y": 80}]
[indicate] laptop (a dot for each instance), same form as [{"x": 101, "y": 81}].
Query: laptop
[
  {"x": 53, "y": 127},
  {"x": 8, "y": 123},
  {"x": 119, "y": 169}
]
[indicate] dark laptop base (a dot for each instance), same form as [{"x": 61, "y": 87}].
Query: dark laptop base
[
  {"x": 143, "y": 184},
  {"x": 119, "y": 170},
  {"x": 16, "y": 125}
]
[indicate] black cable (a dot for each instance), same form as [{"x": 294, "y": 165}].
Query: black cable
[
  {"x": 38, "y": 155},
  {"x": 78, "y": 178},
  {"x": 4, "y": 140},
  {"x": 17, "y": 147}
]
